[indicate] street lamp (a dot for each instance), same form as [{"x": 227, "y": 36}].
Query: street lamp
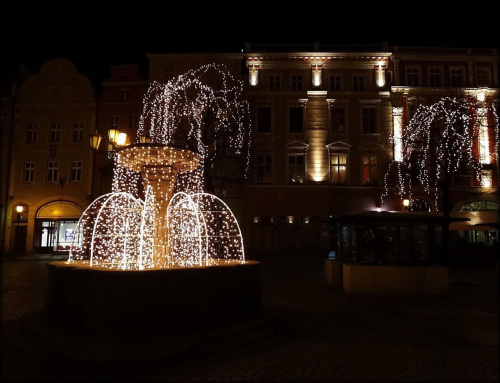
[
  {"x": 19, "y": 210},
  {"x": 95, "y": 140},
  {"x": 115, "y": 139},
  {"x": 406, "y": 203}
]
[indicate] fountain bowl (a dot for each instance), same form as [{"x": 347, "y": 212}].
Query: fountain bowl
[{"x": 174, "y": 299}]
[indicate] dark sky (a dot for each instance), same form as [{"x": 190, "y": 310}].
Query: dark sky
[{"x": 94, "y": 38}]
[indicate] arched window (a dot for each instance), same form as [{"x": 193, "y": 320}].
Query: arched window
[
  {"x": 481, "y": 206},
  {"x": 420, "y": 204}
]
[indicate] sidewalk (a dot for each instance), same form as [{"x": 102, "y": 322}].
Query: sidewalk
[{"x": 306, "y": 332}]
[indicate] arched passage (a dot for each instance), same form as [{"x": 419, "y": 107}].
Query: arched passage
[{"x": 55, "y": 223}]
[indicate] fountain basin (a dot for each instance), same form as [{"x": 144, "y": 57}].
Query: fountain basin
[{"x": 177, "y": 299}]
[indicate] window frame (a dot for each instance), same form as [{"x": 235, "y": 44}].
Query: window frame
[
  {"x": 457, "y": 73},
  {"x": 52, "y": 171},
  {"x": 365, "y": 118},
  {"x": 274, "y": 81},
  {"x": 295, "y": 165},
  {"x": 78, "y": 132},
  {"x": 296, "y": 82},
  {"x": 259, "y": 179},
  {"x": 31, "y": 133},
  {"x": 337, "y": 166},
  {"x": 259, "y": 120},
  {"x": 55, "y": 132},
  {"x": 28, "y": 172},
  {"x": 75, "y": 171},
  {"x": 291, "y": 119},
  {"x": 358, "y": 82},
  {"x": 338, "y": 79},
  {"x": 413, "y": 73},
  {"x": 370, "y": 166}
]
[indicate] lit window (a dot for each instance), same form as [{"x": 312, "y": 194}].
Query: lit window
[
  {"x": 370, "y": 170},
  {"x": 338, "y": 168}
]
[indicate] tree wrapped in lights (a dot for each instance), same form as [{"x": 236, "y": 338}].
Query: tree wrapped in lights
[
  {"x": 203, "y": 111},
  {"x": 452, "y": 136}
]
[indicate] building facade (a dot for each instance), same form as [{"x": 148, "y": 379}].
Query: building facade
[{"x": 323, "y": 123}]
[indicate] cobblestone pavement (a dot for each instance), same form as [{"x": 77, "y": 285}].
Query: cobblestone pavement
[{"x": 307, "y": 332}]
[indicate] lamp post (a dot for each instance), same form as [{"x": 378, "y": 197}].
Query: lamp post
[{"x": 19, "y": 210}]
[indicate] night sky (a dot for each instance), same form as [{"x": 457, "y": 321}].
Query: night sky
[{"x": 94, "y": 39}]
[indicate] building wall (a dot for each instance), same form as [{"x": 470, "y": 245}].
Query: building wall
[
  {"x": 264, "y": 210},
  {"x": 56, "y": 94}
]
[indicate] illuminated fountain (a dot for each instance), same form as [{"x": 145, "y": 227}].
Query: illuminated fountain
[{"x": 156, "y": 255}]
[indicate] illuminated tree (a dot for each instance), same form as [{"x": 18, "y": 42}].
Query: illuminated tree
[
  {"x": 204, "y": 111},
  {"x": 453, "y": 136}
]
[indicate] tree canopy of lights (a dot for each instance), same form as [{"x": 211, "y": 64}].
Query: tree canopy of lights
[
  {"x": 451, "y": 136},
  {"x": 202, "y": 110}
]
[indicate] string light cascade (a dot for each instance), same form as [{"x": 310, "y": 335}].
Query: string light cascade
[
  {"x": 440, "y": 140},
  {"x": 170, "y": 221}
]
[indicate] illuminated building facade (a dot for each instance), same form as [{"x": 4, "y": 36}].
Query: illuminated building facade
[{"x": 326, "y": 122}]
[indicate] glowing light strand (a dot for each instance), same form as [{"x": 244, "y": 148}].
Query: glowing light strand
[{"x": 438, "y": 140}]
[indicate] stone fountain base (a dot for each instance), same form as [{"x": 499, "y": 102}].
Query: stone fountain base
[{"x": 173, "y": 299}]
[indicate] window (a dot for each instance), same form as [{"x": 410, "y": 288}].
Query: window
[
  {"x": 369, "y": 125},
  {"x": 52, "y": 171},
  {"x": 133, "y": 122},
  {"x": 337, "y": 118},
  {"x": 296, "y": 168},
  {"x": 274, "y": 82},
  {"x": 335, "y": 82},
  {"x": 76, "y": 171},
  {"x": 370, "y": 170},
  {"x": 412, "y": 76},
  {"x": 168, "y": 73},
  {"x": 78, "y": 129},
  {"x": 435, "y": 76},
  {"x": 481, "y": 206},
  {"x": 296, "y": 119},
  {"x": 482, "y": 77},
  {"x": 264, "y": 119},
  {"x": 264, "y": 169},
  {"x": 55, "y": 132},
  {"x": 358, "y": 83},
  {"x": 113, "y": 122},
  {"x": 338, "y": 168},
  {"x": 31, "y": 131},
  {"x": 29, "y": 172},
  {"x": 297, "y": 82},
  {"x": 457, "y": 77},
  {"x": 124, "y": 95}
]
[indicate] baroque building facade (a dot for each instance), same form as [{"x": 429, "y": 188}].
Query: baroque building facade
[{"x": 323, "y": 119}]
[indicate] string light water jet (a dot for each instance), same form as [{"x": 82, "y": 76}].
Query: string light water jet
[{"x": 170, "y": 221}]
